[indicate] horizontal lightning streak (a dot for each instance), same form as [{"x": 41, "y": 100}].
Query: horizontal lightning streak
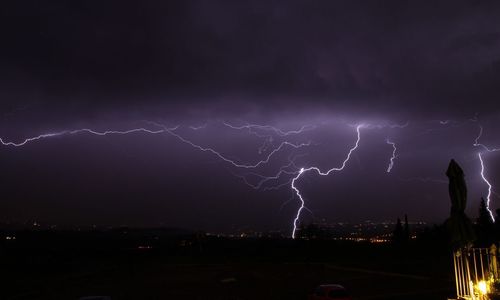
[
  {"x": 84, "y": 130},
  {"x": 258, "y": 131},
  {"x": 277, "y": 131},
  {"x": 264, "y": 179},
  {"x": 198, "y": 127},
  {"x": 232, "y": 162},
  {"x": 290, "y": 172},
  {"x": 164, "y": 129}
]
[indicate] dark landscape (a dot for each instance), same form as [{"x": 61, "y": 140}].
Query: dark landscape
[{"x": 158, "y": 264}]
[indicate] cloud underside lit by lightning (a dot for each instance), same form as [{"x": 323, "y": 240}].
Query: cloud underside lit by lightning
[
  {"x": 164, "y": 129},
  {"x": 275, "y": 140},
  {"x": 289, "y": 170}
]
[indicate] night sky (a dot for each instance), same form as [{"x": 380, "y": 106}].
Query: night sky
[{"x": 424, "y": 75}]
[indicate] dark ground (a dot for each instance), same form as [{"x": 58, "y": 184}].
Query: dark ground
[{"x": 68, "y": 265}]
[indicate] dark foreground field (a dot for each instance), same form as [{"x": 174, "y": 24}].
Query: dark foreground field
[{"x": 71, "y": 265}]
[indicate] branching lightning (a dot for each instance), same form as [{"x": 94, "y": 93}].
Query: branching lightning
[
  {"x": 477, "y": 144},
  {"x": 275, "y": 141},
  {"x": 267, "y": 132},
  {"x": 486, "y": 181},
  {"x": 317, "y": 170},
  {"x": 84, "y": 130},
  {"x": 228, "y": 160},
  {"x": 252, "y": 127},
  {"x": 290, "y": 171},
  {"x": 164, "y": 129}
]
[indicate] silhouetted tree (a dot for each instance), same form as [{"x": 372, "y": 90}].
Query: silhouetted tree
[
  {"x": 436, "y": 235},
  {"x": 484, "y": 225},
  {"x": 496, "y": 226},
  {"x": 406, "y": 229},
  {"x": 301, "y": 231},
  {"x": 398, "y": 234},
  {"x": 313, "y": 231}
]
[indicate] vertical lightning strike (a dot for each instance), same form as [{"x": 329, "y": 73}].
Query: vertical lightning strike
[
  {"x": 489, "y": 186},
  {"x": 304, "y": 170},
  {"x": 393, "y": 157},
  {"x": 172, "y": 131},
  {"x": 302, "y": 202},
  {"x": 480, "y": 155},
  {"x": 290, "y": 172}
]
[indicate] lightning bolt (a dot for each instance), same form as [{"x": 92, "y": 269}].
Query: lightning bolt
[
  {"x": 489, "y": 186},
  {"x": 78, "y": 131},
  {"x": 393, "y": 157},
  {"x": 290, "y": 172},
  {"x": 261, "y": 131},
  {"x": 385, "y": 125},
  {"x": 165, "y": 129},
  {"x": 198, "y": 127},
  {"x": 289, "y": 169},
  {"x": 477, "y": 144},
  {"x": 251, "y": 128},
  {"x": 317, "y": 170},
  {"x": 486, "y": 181},
  {"x": 228, "y": 160}
]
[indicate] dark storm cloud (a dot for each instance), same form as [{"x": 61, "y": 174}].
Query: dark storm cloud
[
  {"x": 151, "y": 180},
  {"x": 109, "y": 65},
  {"x": 424, "y": 56}
]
